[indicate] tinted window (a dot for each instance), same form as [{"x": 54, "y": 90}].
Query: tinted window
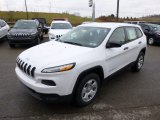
[
  {"x": 131, "y": 33},
  {"x": 145, "y": 27},
  {"x": 25, "y": 25},
  {"x": 2, "y": 23},
  {"x": 85, "y": 36},
  {"x": 139, "y": 32},
  {"x": 118, "y": 36},
  {"x": 155, "y": 27},
  {"x": 61, "y": 26}
]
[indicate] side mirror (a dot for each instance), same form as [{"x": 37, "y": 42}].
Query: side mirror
[
  {"x": 39, "y": 28},
  {"x": 113, "y": 45},
  {"x": 147, "y": 29}
]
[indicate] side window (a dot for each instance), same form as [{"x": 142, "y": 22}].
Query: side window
[
  {"x": 131, "y": 33},
  {"x": 3, "y": 24},
  {"x": 139, "y": 32},
  {"x": 118, "y": 36},
  {"x": 146, "y": 28}
]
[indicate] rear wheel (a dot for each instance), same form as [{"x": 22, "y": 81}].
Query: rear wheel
[
  {"x": 139, "y": 63},
  {"x": 151, "y": 41},
  {"x": 87, "y": 89}
]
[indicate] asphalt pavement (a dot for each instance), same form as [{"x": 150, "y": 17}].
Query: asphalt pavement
[{"x": 125, "y": 96}]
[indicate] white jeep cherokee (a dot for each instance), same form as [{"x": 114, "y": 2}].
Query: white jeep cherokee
[
  {"x": 59, "y": 28},
  {"x": 75, "y": 65}
]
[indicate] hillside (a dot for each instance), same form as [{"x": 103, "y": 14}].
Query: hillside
[{"x": 12, "y": 16}]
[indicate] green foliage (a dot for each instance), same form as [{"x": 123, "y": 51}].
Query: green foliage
[{"x": 12, "y": 16}]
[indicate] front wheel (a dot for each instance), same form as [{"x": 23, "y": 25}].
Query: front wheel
[
  {"x": 87, "y": 89},
  {"x": 139, "y": 63},
  {"x": 37, "y": 41},
  {"x": 12, "y": 45}
]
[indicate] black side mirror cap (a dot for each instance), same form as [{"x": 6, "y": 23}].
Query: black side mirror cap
[
  {"x": 113, "y": 45},
  {"x": 147, "y": 30}
]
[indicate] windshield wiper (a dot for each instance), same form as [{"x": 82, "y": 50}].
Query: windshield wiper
[{"x": 73, "y": 43}]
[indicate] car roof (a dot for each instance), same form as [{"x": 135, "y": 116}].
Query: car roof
[
  {"x": 60, "y": 21},
  {"x": 109, "y": 25},
  {"x": 28, "y": 20}
]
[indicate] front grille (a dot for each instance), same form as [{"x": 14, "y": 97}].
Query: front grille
[
  {"x": 25, "y": 67},
  {"x": 21, "y": 36},
  {"x": 58, "y": 36}
]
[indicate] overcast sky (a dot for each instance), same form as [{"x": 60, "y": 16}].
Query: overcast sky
[{"x": 135, "y": 8}]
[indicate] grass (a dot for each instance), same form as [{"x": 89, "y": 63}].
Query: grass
[{"x": 12, "y": 16}]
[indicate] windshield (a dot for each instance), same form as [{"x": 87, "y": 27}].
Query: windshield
[
  {"x": 25, "y": 25},
  {"x": 155, "y": 27},
  {"x": 61, "y": 26},
  {"x": 85, "y": 36}
]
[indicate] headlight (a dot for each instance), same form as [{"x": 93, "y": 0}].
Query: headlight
[
  {"x": 34, "y": 33},
  {"x": 59, "y": 68}
]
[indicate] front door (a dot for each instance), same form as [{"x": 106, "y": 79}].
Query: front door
[{"x": 116, "y": 57}]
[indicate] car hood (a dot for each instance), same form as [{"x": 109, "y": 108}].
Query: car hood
[
  {"x": 59, "y": 31},
  {"x": 20, "y": 31},
  {"x": 54, "y": 53}
]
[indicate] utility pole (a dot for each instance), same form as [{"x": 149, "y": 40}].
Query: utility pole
[
  {"x": 92, "y": 4},
  {"x": 117, "y": 10},
  {"x": 26, "y": 9}
]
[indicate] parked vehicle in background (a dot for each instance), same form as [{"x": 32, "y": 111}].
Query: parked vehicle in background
[
  {"x": 58, "y": 28},
  {"x": 25, "y": 32},
  {"x": 152, "y": 31},
  {"x": 43, "y": 23},
  {"x": 4, "y": 28},
  {"x": 75, "y": 65},
  {"x": 134, "y": 22},
  {"x": 158, "y": 23}
]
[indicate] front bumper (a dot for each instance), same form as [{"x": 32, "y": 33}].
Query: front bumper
[
  {"x": 48, "y": 97},
  {"x": 21, "y": 41},
  {"x": 64, "y": 83}
]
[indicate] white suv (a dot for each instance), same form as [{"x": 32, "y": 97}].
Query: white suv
[
  {"x": 59, "y": 28},
  {"x": 76, "y": 65},
  {"x": 4, "y": 27}
]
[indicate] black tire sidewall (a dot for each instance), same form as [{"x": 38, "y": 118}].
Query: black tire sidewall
[
  {"x": 135, "y": 67},
  {"x": 37, "y": 41},
  {"x": 12, "y": 45},
  {"x": 83, "y": 81}
]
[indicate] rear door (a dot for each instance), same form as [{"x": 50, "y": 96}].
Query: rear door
[{"x": 133, "y": 42}]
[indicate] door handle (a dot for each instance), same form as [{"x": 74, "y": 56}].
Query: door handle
[
  {"x": 126, "y": 48},
  {"x": 140, "y": 42}
]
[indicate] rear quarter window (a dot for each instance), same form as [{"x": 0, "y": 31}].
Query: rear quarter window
[
  {"x": 139, "y": 33},
  {"x": 131, "y": 33}
]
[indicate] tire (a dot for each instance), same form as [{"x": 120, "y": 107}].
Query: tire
[
  {"x": 42, "y": 37},
  {"x": 87, "y": 89},
  {"x": 12, "y": 45},
  {"x": 151, "y": 41},
  {"x": 139, "y": 63},
  {"x": 37, "y": 41}
]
